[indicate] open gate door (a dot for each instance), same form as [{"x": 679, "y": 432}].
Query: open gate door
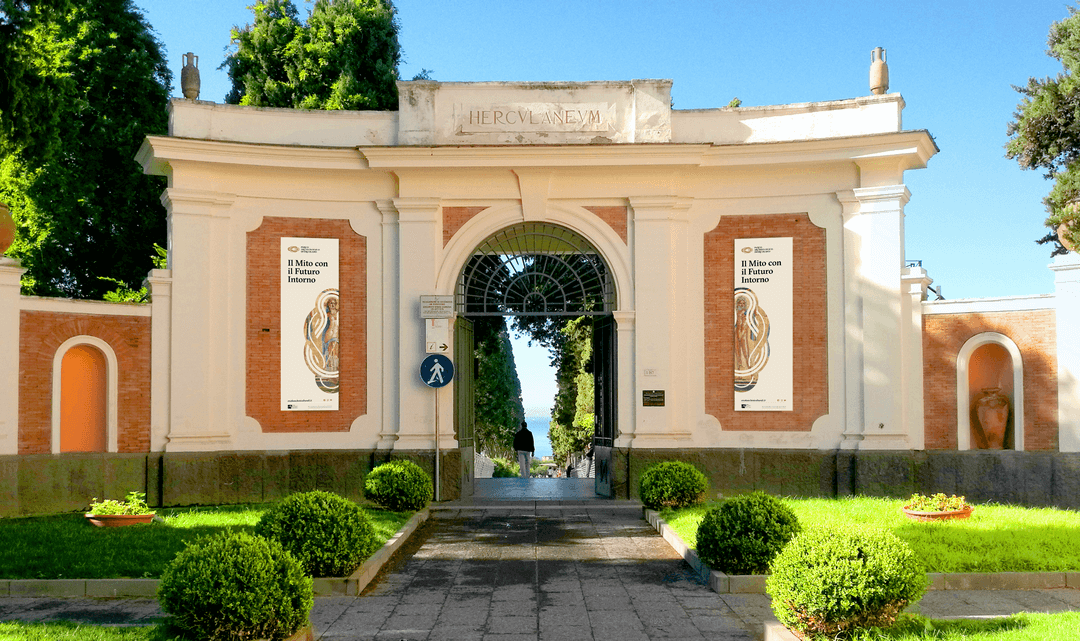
[
  {"x": 605, "y": 359},
  {"x": 464, "y": 406}
]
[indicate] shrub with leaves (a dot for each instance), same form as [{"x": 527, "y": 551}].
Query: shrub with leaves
[
  {"x": 235, "y": 586},
  {"x": 399, "y": 486},
  {"x": 504, "y": 469},
  {"x": 135, "y": 503},
  {"x": 834, "y": 581},
  {"x": 672, "y": 484},
  {"x": 328, "y": 535},
  {"x": 744, "y": 533}
]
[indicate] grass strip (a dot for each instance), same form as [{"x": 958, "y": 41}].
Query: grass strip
[
  {"x": 1018, "y": 627},
  {"x": 66, "y": 546},
  {"x": 997, "y": 538}
]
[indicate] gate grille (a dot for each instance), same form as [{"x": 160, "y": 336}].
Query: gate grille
[{"x": 535, "y": 269}]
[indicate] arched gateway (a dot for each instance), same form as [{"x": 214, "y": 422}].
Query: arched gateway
[{"x": 540, "y": 269}]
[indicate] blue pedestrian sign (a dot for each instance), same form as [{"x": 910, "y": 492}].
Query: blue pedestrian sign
[{"x": 437, "y": 370}]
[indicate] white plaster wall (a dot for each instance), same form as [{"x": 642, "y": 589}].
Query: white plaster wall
[
  {"x": 222, "y": 185},
  {"x": 804, "y": 121}
]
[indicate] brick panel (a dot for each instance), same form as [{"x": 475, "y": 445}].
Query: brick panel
[
  {"x": 264, "y": 325},
  {"x": 615, "y": 217},
  {"x": 1035, "y": 334},
  {"x": 810, "y": 317},
  {"x": 454, "y": 218},
  {"x": 42, "y": 333}
]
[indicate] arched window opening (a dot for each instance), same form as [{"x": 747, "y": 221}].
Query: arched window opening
[{"x": 83, "y": 400}]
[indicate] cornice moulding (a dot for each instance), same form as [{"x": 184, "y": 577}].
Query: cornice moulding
[{"x": 168, "y": 150}]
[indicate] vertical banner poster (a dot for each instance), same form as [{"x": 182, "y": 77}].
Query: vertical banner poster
[
  {"x": 310, "y": 351},
  {"x": 763, "y": 320}
]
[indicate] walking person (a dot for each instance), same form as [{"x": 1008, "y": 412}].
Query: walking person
[{"x": 523, "y": 443}]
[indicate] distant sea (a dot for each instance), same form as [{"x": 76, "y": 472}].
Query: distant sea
[{"x": 538, "y": 425}]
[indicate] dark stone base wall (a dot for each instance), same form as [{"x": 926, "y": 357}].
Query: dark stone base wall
[
  {"x": 44, "y": 484},
  {"x": 1024, "y": 478}
]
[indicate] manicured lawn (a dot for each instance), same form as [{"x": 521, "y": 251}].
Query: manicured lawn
[
  {"x": 997, "y": 538},
  {"x": 66, "y": 546},
  {"x": 66, "y": 631},
  {"x": 1019, "y": 627}
]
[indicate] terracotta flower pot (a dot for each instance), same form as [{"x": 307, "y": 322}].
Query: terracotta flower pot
[
  {"x": 119, "y": 520},
  {"x": 919, "y": 515}
]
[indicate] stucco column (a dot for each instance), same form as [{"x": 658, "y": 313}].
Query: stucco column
[
  {"x": 159, "y": 284},
  {"x": 418, "y": 252},
  {"x": 200, "y": 346},
  {"x": 661, "y": 229},
  {"x": 626, "y": 404},
  {"x": 391, "y": 341},
  {"x": 1066, "y": 270},
  {"x": 11, "y": 272},
  {"x": 874, "y": 259},
  {"x": 915, "y": 283}
]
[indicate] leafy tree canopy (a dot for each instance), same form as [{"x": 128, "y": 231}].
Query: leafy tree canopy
[
  {"x": 497, "y": 389},
  {"x": 84, "y": 209},
  {"x": 1045, "y": 133},
  {"x": 344, "y": 57},
  {"x": 32, "y": 76}
]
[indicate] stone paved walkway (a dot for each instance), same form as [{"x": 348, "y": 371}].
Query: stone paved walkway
[{"x": 561, "y": 573}]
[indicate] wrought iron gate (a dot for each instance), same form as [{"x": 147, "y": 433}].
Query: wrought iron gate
[{"x": 605, "y": 385}]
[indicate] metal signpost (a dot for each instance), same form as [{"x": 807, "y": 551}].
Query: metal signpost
[{"x": 437, "y": 371}]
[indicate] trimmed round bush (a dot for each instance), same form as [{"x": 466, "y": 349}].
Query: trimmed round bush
[
  {"x": 328, "y": 535},
  {"x": 235, "y": 586},
  {"x": 672, "y": 484},
  {"x": 744, "y": 533},
  {"x": 399, "y": 486},
  {"x": 833, "y": 581}
]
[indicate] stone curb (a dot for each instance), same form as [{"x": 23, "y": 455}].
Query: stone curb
[
  {"x": 755, "y": 583},
  {"x": 111, "y": 588}
]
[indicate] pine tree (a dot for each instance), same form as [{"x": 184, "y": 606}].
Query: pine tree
[
  {"x": 1046, "y": 131},
  {"x": 344, "y": 57}
]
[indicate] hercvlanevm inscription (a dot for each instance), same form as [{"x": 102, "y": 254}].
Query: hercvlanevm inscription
[{"x": 534, "y": 117}]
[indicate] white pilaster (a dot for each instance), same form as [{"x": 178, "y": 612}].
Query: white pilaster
[
  {"x": 661, "y": 229},
  {"x": 391, "y": 341},
  {"x": 626, "y": 419},
  {"x": 159, "y": 284},
  {"x": 853, "y": 337},
  {"x": 419, "y": 248},
  {"x": 11, "y": 272},
  {"x": 1066, "y": 270},
  {"x": 199, "y": 350},
  {"x": 915, "y": 283},
  {"x": 874, "y": 259}
]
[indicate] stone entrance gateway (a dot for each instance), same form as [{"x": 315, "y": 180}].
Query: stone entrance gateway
[
  {"x": 543, "y": 270},
  {"x": 225, "y": 387}
]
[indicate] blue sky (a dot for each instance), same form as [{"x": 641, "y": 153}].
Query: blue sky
[{"x": 973, "y": 215}]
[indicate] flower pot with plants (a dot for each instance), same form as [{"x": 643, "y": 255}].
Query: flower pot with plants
[
  {"x": 937, "y": 507},
  {"x": 113, "y": 513}
]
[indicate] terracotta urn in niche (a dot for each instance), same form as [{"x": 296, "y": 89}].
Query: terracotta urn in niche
[{"x": 992, "y": 409}]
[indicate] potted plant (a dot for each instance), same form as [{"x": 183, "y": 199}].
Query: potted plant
[
  {"x": 937, "y": 507},
  {"x": 112, "y": 513}
]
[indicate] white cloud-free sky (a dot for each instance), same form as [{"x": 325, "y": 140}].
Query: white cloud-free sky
[{"x": 973, "y": 215}]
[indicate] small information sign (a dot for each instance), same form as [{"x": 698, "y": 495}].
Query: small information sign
[
  {"x": 437, "y": 335},
  {"x": 652, "y": 398},
  {"x": 436, "y": 306}
]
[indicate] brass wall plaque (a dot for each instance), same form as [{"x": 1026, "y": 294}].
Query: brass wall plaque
[{"x": 652, "y": 398}]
